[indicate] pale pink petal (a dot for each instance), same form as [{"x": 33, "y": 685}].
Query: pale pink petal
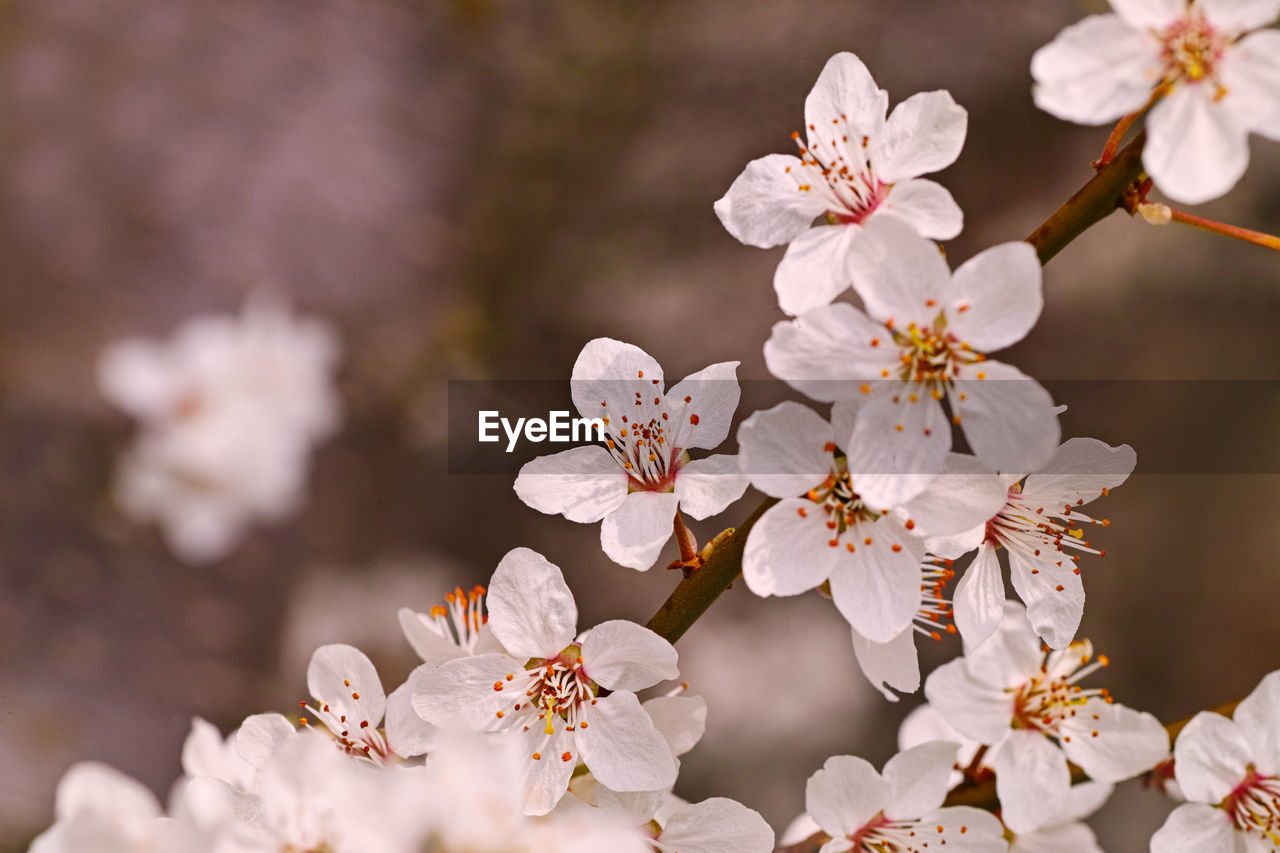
[
  {"x": 531, "y": 610},
  {"x": 877, "y": 586},
  {"x": 407, "y": 733},
  {"x": 716, "y": 825},
  {"x": 1211, "y": 757},
  {"x": 924, "y": 133},
  {"x": 979, "y": 598},
  {"x": 815, "y": 269},
  {"x": 547, "y": 776},
  {"x": 1251, "y": 75},
  {"x": 1196, "y": 148},
  {"x": 1066, "y": 838},
  {"x": 1257, "y": 716},
  {"x": 900, "y": 275},
  {"x": 1053, "y": 592},
  {"x": 622, "y": 748},
  {"x": 681, "y": 720},
  {"x": 1150, "y": 14},
  {"x": 845, "y": 88},
  {"x": 1011, "y": 655},
  {"x": 788, "y": 550},
  {"x": 1239, "y": 16},
  {"x": 705, "y": 402},
  {"x": 926, "y": 206},
  {"x": 918, "y": 779},
  {"x": 259, "y": 735},
  {"x": 612, "y": 371},
  {"x": 828, "y": 351},
  {"x": 462, "y": 692},
  {"x": 1196, "y": 828},
  {"x": 995, "y": 297},
  {"x": 583, "y": 484},
  {"x": 1031, "y": 779},
  {"x": 765, "y": 205},
  {"x": 1079, "y": 471},
  {"x": 966, "y": 828},
  {"x": 141, "y": 378},
  {"x": 428, "y": 645},
  {"x": 966, "y": 494},
  {"x": 889, "y": 666},
  {"x": 898, "y": 447},
  {"x": 1008, "y": 417},
  {"x": 784, "y": 450},
  {"x": 634, "y": 533},
  {"x": 344, "y": 679},
  {"x": 845, "y": 794},
  {"x": 622, "y": 655},
  {"x": 1112, "y": 743},
  {"x": 706, "y": 486},
  {"x": 92, "y": 788},
  {"x": 1096, "y": 70},
  {"x": 973, "y": 708}
]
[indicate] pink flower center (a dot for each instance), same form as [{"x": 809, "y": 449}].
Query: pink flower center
[
  {"x": 1191, "y": 50},
  {"x": 1254, "y": 805},
  {"x": 837, "y": 169}
]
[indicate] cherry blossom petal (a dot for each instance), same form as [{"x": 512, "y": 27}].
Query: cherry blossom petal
[
  {"x": 716, "y": 825},
  {"x": 583, "y": 484},
  {"x": 1052, "y": 591},
  {"x": 622, "y": 655},
  {"x": 877, "y": 587},
  {"x": 706, "y": 486},
  {"x": 705, "y": 402},
  {"x": 1011, "y": 654},
  {"x": 964, "y": 496},
  {"x": 609, "y": 370},
  {"x": 547, "y": 775},
  {"x": 898, "y": 447},
  {"x": 464, "y": 692},
  {"x": 531, "y": 610},
  {"x": 926, "y": 206},
  {"x": 1031, "y": 778},
  {"x": 1196, "y": 149},
  {"x": 259, "y": 735},
  {"x": 1150, "y": 14},
  {"x": 815, "y": 269},
  {"x": 788, "y": 550},
  {"x": 1008, "y": 417},
  {"x": 428, "y": 645},
  {"x": 966, "y": 828},
  {"x": 845, "y": 794},
  {"x": 407, "y": 733},
  {"x": 918, "y": 779},
  {"x": 681, "y": 720},
  {"x": 1067, "y": 838},
  {"x": 1239, "y": 16},
  {"x": 1095, "y": 71},
  {"x": 634, "y": 533},
  {"x": 845, "y": 88},
  {"x": 206, "y": 753},
  {"x": 900, "y": 275},
  {"x": 995, "y": 297},
  {"x": 622, "y": 748},
  {"x": 923, "y": 134},
  {"x": 784, "y": 450},
  {"x": 894, "y": 663},
  {"x": 826, "y": 352},
  {"x": 141, "y": 378},
  {"x": 1112, "y": 743},
  {"x": 973, "y": 708},
  {"x": 1256, "y": 717},
  {"x": 1196, "y": 828},
  {"x": 1251, "y": 74},
  {"x": 956, "y": 545},
  {"x": 1079, "y": 471},
  {"x": 765, "y": 206},
  {"x": 344, "y": 679},
  {"x": 1211, "y": 757},
  {"x": 979, "y": 598},
  {"x": 92, "y": 788}
]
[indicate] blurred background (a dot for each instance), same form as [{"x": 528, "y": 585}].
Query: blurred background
[{"x": 474, "y": 189}]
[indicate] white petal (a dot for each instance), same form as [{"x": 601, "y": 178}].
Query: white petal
[
  {"x": 924, "y": 133},
  {"x": 973, "y": 708},
  {"x": 918, "y": 779},
  {"x": 716, "y": 825},
  {"x": 966, "y": 828},
  {"x": 957, "y": 545},
  {"x": 531, "y": 610},
  {"x": 1210, "y": 757},
  {"x": 877, "y": 588},
  {"x": 634, "y": 533},
  {"x": 815, "y": 269},
  {"x": 343, "y": 678},
  {"x": 636, "y": 807},
  {"x": 428, "y": 645},
  {"x": 583, "y": 484},
  {"x": 1251, "y": 75},
  {"x": 1052, "y": 591},
  {"x": 845, "y": 88},
  {"x": 788, "y": 550},
  {"x": 260, "y": 735},
  {"x": 92, "y": 788},
  {"x": 1256, "y": 716},
  {"x": 1195, "y": 828},
  {"x": 1011, "y": 655},
  {"x": 1239, "y": 16},
  {"x": 1031, "y": 779},
  {"x": 1084, "y": 799},
  {"x": 1066, "y": 838},
  {"x": 784, "y": 450},
  {"x": 712, "y": 397},
  {"x": 706, "y": 486},
  {"x": 1152, "y": 14},
  {"x": 461, "y": 692},
  {"x": 1127, "y": 743},
  {"x": 1079, "y": 471},
  {"x": 622, "y": 655},
  {"x": 1096, "y": 70},
  {"x": 894, "y": 663},
  {"x": 798, "y": 830},
  {"x": 681, "y": 720},
  {"x": 547, "y": 776},
  {"x": 407, "y": 733},
  {"x": 611, "y": 371},
  {"x": 827, "y": 352},
  {"x": 995, "y": 297},
  {"x": 1196, "y": 149},
  {"x": 1008, "y": 417},
  {"x": 926, "y": 206},
  {"x": 622, "y": 748},
  {"x": 204, "y": 752},
  {"x": 898, "y": 273},
  {"x": 964, "y": 496},
  {"x": 979, "y": 598},
  {"x": 141, "y": 378},
  {"x": 845, "y": 794},
  {"x": 765, "y": 205},
  {"x": 898, "y": 447}
]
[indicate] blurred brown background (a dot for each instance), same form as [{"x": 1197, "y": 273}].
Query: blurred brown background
[{"x": 474, "y": 188}]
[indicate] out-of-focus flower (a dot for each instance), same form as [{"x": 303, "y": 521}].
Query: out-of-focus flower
[
  {"x": 923, "y": 338},
  {"x": 857, "y": 166},
  {"x": 455, "y": 629},
  {"x": 229, "y": 411},
  {"x": 1028, "y": 707},
  {"x": 1038, "y": 525},
  {"x": 100, "y": 808},
  {"x": 1229, "y": 771},
  {"x": 1212, "y": 64},
  {"x": 636, "y": 485},
  {"x": 545, "y": 691}
]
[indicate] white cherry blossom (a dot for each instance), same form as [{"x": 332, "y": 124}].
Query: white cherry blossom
[
  {"x": 1028, "y": 706},
  {"x": 867, "y": 812},
  {"x": 455, "y": 629},
  {"x": 1211, "y": 63},
  {"x": 100, "y": 808},
  {"x": 922, "y": 340},
  {"x": 636, "y": 483},
  {"x": 547, "y": 690},
  {"x": 1040, "y": 527},
  {"x": 857, "y": 166},
  {"x": 823, "y": 530},
  {"x": 1229, "y": 772}
]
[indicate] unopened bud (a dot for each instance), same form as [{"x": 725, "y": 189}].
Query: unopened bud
[{"x": 1155, "y": 213}]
